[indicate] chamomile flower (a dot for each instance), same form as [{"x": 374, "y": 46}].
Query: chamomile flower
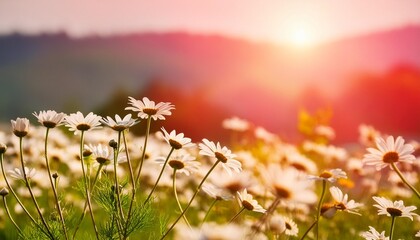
[
  {"x": 177, "y": 141},
  {"x": 50, "y": 119},
  {"x": 248, "y": 202},
  {"x": 17, "y": 173},
  {"x": 342, "y": 203},
  {"x": 372, "y": 234},
  {"x": 76, "y": 122},
  {"x": 291, "y": 227},
  {"x": 20, "y": 127},
  {"x": 222, "y": 154},
  {"x": 329, "y": 175},
  {"x": 119, "y": 124},
  {"x": 216, "y": 192},
  {"x": 236, "y": 124},
  {"x": 147, "y": 108},
  {"x": 104, "y": 154},
  {"x": 394, "y": 209},
  {"x": 389, "y": 152},
  {"x": 182, "y": 162}
]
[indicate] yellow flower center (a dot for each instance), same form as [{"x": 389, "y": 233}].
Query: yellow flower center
[
  {"x": 150, "y": 111},
  {"x": 394, "y": 212},
  {"x": 325, "y": 174},
  {"x": 175, "y": 144},
  {"x": 247, "y": 205},
  {"x": 221, "y": 157},
  {"x": 390, "y": 157},
  {"x": 282, "y": 192},
  {"x": 176, "y": 164},
  {"x": 83, "y": 127}
]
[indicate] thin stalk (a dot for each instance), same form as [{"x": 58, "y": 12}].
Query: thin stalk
[
  {"x": 236, "y": 215},
  {"x": 117, "y": 185},
  {"x": 192, "y": 199},
  {"x": 391, "y": 233},
  {"x": 149, "y": 120},
  {"x": 86, "y": 203},
  {"x": 318, "y": 213},
  {"x": 309, "y": 229},
  {"x": 85, "y": 184},
  {"x": 208, "y": 211},
  {"x": 57, "y": 202},
  {"x": 10, "y": 216},
  {"x": 267, "y": 214},
  {"x": 17, "y": 198},
  {"x": 28, "y": 185},
  {"x": 404, "y": 180},
  {"x": 177, "y": 199},
  {"x": 160, "y": 175},
  {"x": 133, "y": 184}
]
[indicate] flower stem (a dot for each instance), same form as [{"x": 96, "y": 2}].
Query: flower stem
[
  {"x": 160, "y": 175},
  {"x": 208, "y": 211},
  {"x": 391, "y": 233},
  {"x": 28, "y": 185},
  {"x": 57, "y": 202},
  {"x": 309, "y": 229},
  {"x": 10, "y": 216},
  {"x": 86, "y": 186},
  {"x": 177, "y": 199},
  {"x": 17, "y": 198},
  {"x": 149, "y": 120},
  {"x": 318, "y": 214},
  {"x": 117, "y": 185},
  {"x": 236, "y": 215},
  {"x": 192, "y": 199},
  {"x": 404, "y": 180}
]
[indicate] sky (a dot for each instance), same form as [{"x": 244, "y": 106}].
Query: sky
[{"x": 302, "y": 22}]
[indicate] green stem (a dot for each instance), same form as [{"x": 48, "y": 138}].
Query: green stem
[
  {"x": 309, "y": 229},
  {"x": 160, "y": 175},
  {"x": 86, "y": 186},
  {"x": 237, "y": 215},
  {"x": 28, "y": 185},
  {"x": 86, "y": 203},
  {"x": 391, "y": 233},
  {"x": 17, "y": 198},
  {"x": 177, "y": 199},
  {"x": 208, "y": 211},
  {"x": 192, "y": 199},
  {"x": 318, "y": 214},
  {"x": 149, "y": 120},
  {"x": 10, "y": 216},
  {"x": 57, "y": 202},
  {"x": 117, "y": 185},
  {"x": 133, "y": 185},
  {"x": 404, "y": 180}
]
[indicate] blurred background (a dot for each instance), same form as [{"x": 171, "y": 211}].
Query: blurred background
[{"x": 354, "y": 62}]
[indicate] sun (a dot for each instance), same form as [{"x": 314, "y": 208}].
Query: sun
[{"x": 301, "y": 38}]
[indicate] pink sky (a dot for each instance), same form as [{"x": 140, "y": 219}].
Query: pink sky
[{"x": 269, "y": 20}]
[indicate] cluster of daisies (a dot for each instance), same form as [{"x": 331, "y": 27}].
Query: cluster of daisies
[{"x": 260, "y": 188}]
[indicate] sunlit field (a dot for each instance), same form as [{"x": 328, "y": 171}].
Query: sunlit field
[{"x": 84, "y": 176}]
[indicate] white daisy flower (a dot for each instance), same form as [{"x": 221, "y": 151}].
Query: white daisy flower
[
  {"x": 104, "y": 154},
  {"x": 372, "y": 234},
  {"x": 177, "y": 141},
  {"x": 236, "y": 124},
  {"x": 20, "y": 127},
  {"x": 329, "y": 175},
  {"x": 147, "y": 108},
  {"x": 50, "y": 119},
  {"x": 342, "y": 203},
  {"x": 291, "y": 227},
  {"x": 120, "y": 124},
  {"x": 77, "y": 122},
  {"x": 17, "y": 173},
  {"x": 182, "y": 162},
  {"x": 216, "y": 192},
  {"x": 394, "y": 209},
  {"x": 248, "y": 202},
  {"x": 389, "y": 152},
  {"x": 222, "y": 154}
]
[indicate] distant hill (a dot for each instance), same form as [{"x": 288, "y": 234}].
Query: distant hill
[{"x": 262, "y": 82}]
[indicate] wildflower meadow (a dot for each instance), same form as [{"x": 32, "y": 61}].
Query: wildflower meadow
[{"x": 85, "y": 176}]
